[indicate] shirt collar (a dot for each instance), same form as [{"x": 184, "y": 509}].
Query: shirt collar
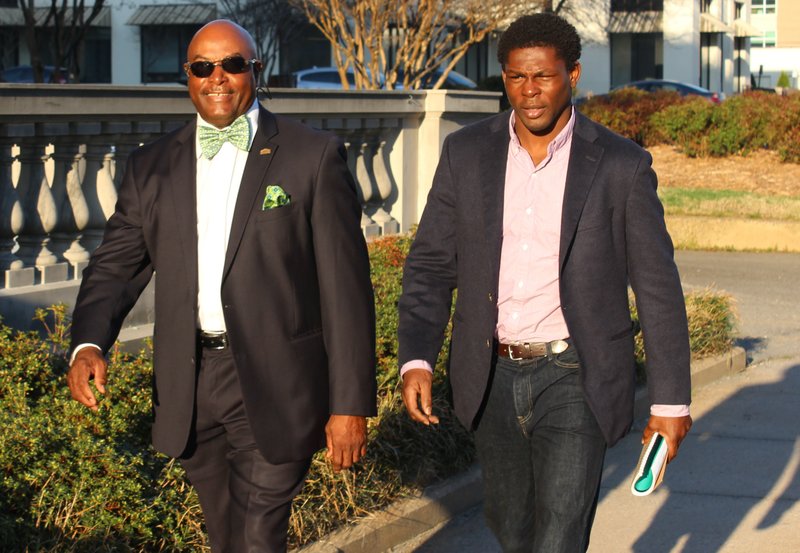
[
  {"x": 562, "y": 139},
  {"x": 252, "y": 118}
]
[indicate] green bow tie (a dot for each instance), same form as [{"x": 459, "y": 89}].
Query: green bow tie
[{"x": 211, "y": 139}]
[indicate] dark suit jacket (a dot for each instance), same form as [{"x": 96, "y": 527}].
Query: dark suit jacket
[
  {"x": 296, "y": 290},
  {"x": 612, "y": 234}
]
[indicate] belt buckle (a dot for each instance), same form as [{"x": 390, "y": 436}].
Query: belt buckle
[
  {"x": 511, "y": 353},
  {"x": 557, "y": 346}
]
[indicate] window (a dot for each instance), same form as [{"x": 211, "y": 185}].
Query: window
[
  {"x": 164, "y": 52},
  {"x": 762, "y": 6},
  {"x": 767, "y": 40},
  {"x": 637, "y": 5}
]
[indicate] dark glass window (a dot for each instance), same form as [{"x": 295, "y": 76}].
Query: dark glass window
[
  {"x": 164, "y": 52},
  {"x": 637, "y": 5}
]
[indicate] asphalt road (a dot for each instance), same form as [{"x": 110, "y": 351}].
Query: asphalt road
[{"x": 736, "y": 486}]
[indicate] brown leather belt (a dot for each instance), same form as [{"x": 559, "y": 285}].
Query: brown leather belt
[
  {"x": 531, "y": 350},
  {"x": 212, "y": 340}
]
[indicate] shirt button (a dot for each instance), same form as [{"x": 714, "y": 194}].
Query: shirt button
[
  {"x": 528, "y": 211},
  {"x": 515, "y": 316},
  {"x": 521, "y": 284},
  {"x": 524, "y": 247}
]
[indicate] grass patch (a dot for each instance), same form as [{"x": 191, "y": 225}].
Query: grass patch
[{"x": 729, "y": 203}]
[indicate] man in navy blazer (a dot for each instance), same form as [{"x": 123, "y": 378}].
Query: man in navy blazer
[
  {"x": 264, "y": 332},
  {"x": 541, "y": 219}
]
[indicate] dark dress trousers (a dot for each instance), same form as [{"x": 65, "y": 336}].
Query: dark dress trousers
[
  {"x": 612, "y": 235},
  {"x": 296, "y": 292}
]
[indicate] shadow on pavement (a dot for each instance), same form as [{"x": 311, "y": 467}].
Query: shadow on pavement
[
  {"x": 751, "y": 345},
  {"x": 739, "y": 452}
]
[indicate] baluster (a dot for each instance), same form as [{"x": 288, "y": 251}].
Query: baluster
[
  {"x": 383, "y": 183},
  {"x": 354, "y": 154},
  {"x": 73, "y": 211},
  {"x": 100, "y": 194},
  {"x": 11, "y": 223},
  {"x": 39, "y": 211}
]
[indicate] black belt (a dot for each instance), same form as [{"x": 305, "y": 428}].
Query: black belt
[
  {"x": 212, "y": 340},
  {"x": 531, "y": 350}
]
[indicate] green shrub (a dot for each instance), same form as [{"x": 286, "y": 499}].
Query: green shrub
[
  {"x": 783, "y": 80},
  {"x": 686, "y": 125},
  {"x": 744, "y": 123},
  {"x": 628, "y": 111},
  {"x": 787, "y": 141},
  {"x": 74, "y": 480}
]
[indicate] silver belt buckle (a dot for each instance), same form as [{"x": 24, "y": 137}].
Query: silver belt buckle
[
  {"x": 557, "y": 346},
  {"x": 511, "y": 353}
]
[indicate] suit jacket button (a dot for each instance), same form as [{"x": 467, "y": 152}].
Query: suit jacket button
[
  {"x": 488, "y": 343},
  {"x": 491, "y": 296}
]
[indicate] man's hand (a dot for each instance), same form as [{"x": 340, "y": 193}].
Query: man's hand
[
  {"x": 417, "y": 384},
  {"x": 674, "y": 430},
  {"x": 88, "y": 364},
  {"x": 347, "y": 440}
]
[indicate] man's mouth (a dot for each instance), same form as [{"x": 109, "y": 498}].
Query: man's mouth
[{"x": 533, "y": 111}]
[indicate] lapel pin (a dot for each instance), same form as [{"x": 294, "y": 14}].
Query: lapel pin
[{"x": 265, "y": 151}]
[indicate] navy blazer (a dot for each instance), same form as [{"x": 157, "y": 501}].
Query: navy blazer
[
  {"x": 296, "y": 289},
  {"x": 612, "y": 234}
]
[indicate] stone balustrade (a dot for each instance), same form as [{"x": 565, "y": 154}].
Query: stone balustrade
[{"x": 63, "y": 150}]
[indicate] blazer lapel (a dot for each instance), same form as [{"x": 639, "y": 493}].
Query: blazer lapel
[
  {"x": 262, "y": 151},
  {"x": 584, "y": 160},
  {"x": 182, "y": 183},
  {"x": 492, "y": 182}
]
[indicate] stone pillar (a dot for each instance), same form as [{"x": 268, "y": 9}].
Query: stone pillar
[{"x": 73, "y": 212}]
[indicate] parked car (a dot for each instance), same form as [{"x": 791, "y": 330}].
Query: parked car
[
  {"x": 322, "y": 77},
  {"x": 328, "y": 78},
  {"x": 453, "y": 81},
  {"x": 24, "y": 74},
  {"x": 684, "y": 89}
]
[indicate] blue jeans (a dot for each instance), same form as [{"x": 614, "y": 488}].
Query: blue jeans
[{"x": 541, "y": 452}]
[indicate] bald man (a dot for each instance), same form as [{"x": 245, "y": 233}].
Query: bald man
[{"x": 264, "y": 334}]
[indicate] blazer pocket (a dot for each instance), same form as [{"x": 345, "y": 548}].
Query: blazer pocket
[{"x": 275, "y": 213}]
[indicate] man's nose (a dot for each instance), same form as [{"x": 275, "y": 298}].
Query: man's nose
[
  {"x": 530, "y": 87},
  {"x": 218, "y": 74}
]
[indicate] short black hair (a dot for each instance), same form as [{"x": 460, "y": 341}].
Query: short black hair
[{"x": 541, "y": 29}]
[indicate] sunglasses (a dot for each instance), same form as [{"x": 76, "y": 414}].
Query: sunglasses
[{"x": 233, "y": 65}]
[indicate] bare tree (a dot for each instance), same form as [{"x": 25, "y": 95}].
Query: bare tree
[
  {"x": 70, "y": 20},
  {"x": 421, "y": 36},
  {"x": 271, "y": 22}
]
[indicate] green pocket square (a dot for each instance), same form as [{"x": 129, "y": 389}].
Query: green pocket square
[{"x": 275, "y": 197}]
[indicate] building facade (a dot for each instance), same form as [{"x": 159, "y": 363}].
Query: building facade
[{"x": 777, "y": 51}]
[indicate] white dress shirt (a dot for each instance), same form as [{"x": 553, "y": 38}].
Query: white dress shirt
[{"x": 218, "y": 181}]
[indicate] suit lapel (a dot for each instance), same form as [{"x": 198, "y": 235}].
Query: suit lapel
[
  {"x": 492, "y": 182},
  {"x": 183, "y": 185},
  {"x": 262, "y": 151},
  {"x": 584, "y": 160}
]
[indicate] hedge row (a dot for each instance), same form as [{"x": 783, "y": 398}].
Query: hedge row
[
  {"x": 73, "y": 480},
  {"x": 739, "y": 125}
]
